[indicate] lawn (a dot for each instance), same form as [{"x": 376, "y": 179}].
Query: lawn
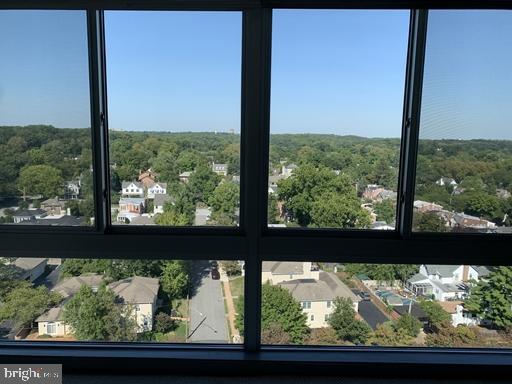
[
  {"x": 181, "y": 306},
  {"x": 237, "y": 286}
]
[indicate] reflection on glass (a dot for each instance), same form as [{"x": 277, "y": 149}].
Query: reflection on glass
[
  {"x": 170, "y": 301},
  {"x": 337, "y": 95},
  {"x": 174, "y": 117},
  {"x": 45, "y": 138},
  {"x": 385, "y": 304},
  {"x": 464, "y": 171}
]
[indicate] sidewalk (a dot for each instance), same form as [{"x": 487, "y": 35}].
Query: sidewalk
[{"x": 230, "y": 306}]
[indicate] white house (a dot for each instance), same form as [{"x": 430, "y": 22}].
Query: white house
[
  {"x": 316, "y": 296},
  {"x": 287, "y": 170},
  {"x": 21, "y": 215},
  {"x": 159, "y": 202},
  {"x": 184, "y": 176},
  {"x": 458, "y": 314},
  {"x": 445, "y": 282},
  {"x": 72, "y": 190},
  {"x": 275, "y": 272},
  {"x": 446, "y": 181},
  {"x": 220, "y": 169},
  {"x": 157, "y": 189},
  {"x": 132, "y": 189}
]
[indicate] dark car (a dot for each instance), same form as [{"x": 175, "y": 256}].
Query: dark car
[
  {"x": 214, "y": 264},
  {"x": 365, "y": 296},
  {"x": 215, "y": 274}
]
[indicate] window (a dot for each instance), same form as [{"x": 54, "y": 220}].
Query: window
[
  {"x": 169, "y": 79},
  {"x": 463, "y": 175},
  {"x": 174, "y": 116},
  {"x": 334, "y": 164},
  {"x": 51, "y": 328},
  {"x": 45, "y": 122}
]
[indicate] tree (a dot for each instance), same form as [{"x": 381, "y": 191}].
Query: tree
[
  {"x": 446, "y": 335},
  {"x": 175, "y": 278},
  {"x": 435, "y": 313},
  {"x": 97, "y": 316},
  {"x": 202, "y": 183},
  {"x": 274, "y": 334},
  {"x": 165, "y": 165},
  {"x": 225, "y": 199},
  {"x": 385, "y": 211},
  {"x": 343, "y": 321},
  {"x": 491, "y": 299},
  {"x": 272, "y": 210},
  {"x": 164, "y": 323},
  {"x": 409, "y": 324},
  {"x": 482, "y": 204},
  {"x": 232, "y": 268},
  {"x": 24, "y": 303},
  {"x": 339, "y": 211},
  {"x": 278, "y": 309},
  {"x": 389, "y": 335},
  {"x": 172, "y": 218},
  {"x": 322, "y": 336},
  {"x": 42, "y": 180},
  {"x": 428, "y": 222}
]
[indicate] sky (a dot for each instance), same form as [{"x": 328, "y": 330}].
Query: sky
[{"x": 337, "y": 72}]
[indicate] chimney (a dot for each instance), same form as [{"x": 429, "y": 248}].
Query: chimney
[{"x": 465, "y": 272}]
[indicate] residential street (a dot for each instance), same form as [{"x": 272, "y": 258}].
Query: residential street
[{"x": 207, "y": 315}]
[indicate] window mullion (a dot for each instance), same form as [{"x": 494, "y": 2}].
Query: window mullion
[
  {"x": 411, "y": 118},
  {"x": 98, "y": 117}
]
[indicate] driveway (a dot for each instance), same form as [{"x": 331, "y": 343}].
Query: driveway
[
  {"x": 371, "y": 314},
  {"x": 208, "y": 323}
]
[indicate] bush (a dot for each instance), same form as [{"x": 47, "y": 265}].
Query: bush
[
  {"x": 409, "y": 324},
  {"x": 232, "y": 268},
  {"x": 164, "y": 323}
]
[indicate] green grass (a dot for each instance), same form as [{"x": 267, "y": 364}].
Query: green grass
[
  {"x": 237, "y": 286},
  {"x": 180, "y": 305}
]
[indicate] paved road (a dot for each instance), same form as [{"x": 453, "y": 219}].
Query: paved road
[
  {"x": 371, "y": 314},
  {"x": 208, "y": 322}
]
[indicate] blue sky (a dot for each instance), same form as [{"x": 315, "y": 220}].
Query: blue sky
[{"x": 338, "y": 72}]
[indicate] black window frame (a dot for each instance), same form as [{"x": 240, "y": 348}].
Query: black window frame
[{"x": 253, "y": 241}]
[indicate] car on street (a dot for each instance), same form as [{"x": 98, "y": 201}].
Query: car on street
[
  {"x": 215, "y": 274},
  {"x": 365, "y": 296}
]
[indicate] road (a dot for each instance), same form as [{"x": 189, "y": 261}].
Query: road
[
  {"x": 371, "y": 314},
  {"x": 208, "y": 323}
]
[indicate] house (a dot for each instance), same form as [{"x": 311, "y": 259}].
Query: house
[
  {"x": 21, "y": 215},
  {"x": 157, "y": 188},
  {"x": 62, "y": 221},
  {"x": 141, "y": 293},
  {"x": 52, "y": 321},
  {"x": 132, "y": 189},
  {"x": 220, "y": 169},
  {"x": 276, "y": 272},
  {"x": 72, "y": 190},
  {"x": 463, "y": 220},
  {"x": 159, "y": 202},
  {"x": 458, "y": 314},
  {"x": 54, "y": 207},
  {"x": 147, "y": 178},
  {"x": 132, "y": 204},
  {"x": 287, "y": 170},
  {"x": 425, "y": 206},
  {"x": 375, "y": 192},
  {"x": 502, "y": 193},
  {"x": 144, "y": 219},
  {"x": 316, "y": 296},
  {"x": 26, "y": 268},
  {"x": 184, "y": 176},
  {"x": 445, "y": 282},
  {"x": 446, "y": 181}
]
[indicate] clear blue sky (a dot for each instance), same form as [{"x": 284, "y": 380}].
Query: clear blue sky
[{"x": 336, "y": 72}]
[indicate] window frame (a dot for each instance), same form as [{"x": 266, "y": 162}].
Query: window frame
[{"x": 253, "y": 241}]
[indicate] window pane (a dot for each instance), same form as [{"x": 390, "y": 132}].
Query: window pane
[
  {"x": 45, "y": 134},
  {"x": 386, "y": 304},
  {"x": 174, "y": 117},
  {"x": 172, "y": 301},
  {"x": 337, "y": 97},
  {"x": 464, "y": 173}
]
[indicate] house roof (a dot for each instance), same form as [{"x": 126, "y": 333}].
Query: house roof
[
  {"x": 68, "y": 221},
  {"x": 417, "y": 278},
  {"x": 185, "y": 174},
  {"x": 161, "y": 199},
  {"x": 72, "y": 285},
  {"x": 416, "y": 311},
  {"x": 138, "y": 184},
  {"x": 27, "y": 263},
  {"x": 450, "y": 306},
  {"x": 220, "y": 167},
  {"x": 131, "y": 200},
  {"x": 136, "y": 290},
  {"x": 29, "y": 212},
  {"x": 442, "y": 270},
  {"x": 162, "y": 185},
  {"x": 482, "y": 270},
  {"x": 54, "y": 201},
  {"x": 328, "y": 287},
  {"x": 53, "y": 314},
  {"x": 143, "y": 220},
  {"x": 283, "y": 267}
]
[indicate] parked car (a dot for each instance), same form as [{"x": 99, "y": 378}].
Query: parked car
[
  {"x": 214, "y": 264},
  {"x": 365, "y": 296},
  {"x": 215, "y": 274}
]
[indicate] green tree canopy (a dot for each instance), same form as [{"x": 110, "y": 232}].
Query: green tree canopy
[
  {"x": 343, "y": 321},
  {"x": 428, "y": 222},
  {"x": 42, "y": 180},
  {"x": 435, "y": 313},
  {"x": 225, "y": 199},
  {"x": 388, "y": 334},
  {"x": 175, "y": 278}
]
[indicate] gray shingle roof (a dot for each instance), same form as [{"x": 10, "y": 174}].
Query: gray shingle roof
[
  {"x": 29, "y": 212},
  {"x": 416, "y": 278},
  {"x": 161, "y": 199},
  {"x": 127, "y": 183},
  {"x": 443, "y": 270},
  {"x": 53, "y": 314},
  {"x": 328, "y": 287},
  {"x": 283, "y": 267},
  {"x": 136, "y": 290},
  {"x": 482, "y": 270},
  {"x": 71, "y": 286},
  {"x": 27, "y": 263}
]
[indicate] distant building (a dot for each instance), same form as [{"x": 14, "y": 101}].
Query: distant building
[
  {"x": 72, "y": 190},
  {"x": 147, "y": 178},
  {"x": 159, "y": 202},
  {"x": 184, "y": 176},
  {"x": 467, "y": 221},
  {"x": 21, "y": 215},
  {"x": 425, "y": 206},
  {"x": 377, "y": 193},
  {"x": 220, "y": 169},
  {"x": 132, "y": 189},
  {"x": 287, "y": 170},
  {"x": 130, "y": 207},
  {"x": 458, "y": 314},
  {"x": 276, "y": 272},
  {"x": 54, "y": 207},
  {"x": 157, "y": 188},
  {"x": 446, "y": 181},
  {"x": 144, "y": 219},
  {"x": 502, "y": 193}
]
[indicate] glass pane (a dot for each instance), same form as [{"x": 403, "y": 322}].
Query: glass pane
[
  {"x": 464, "y": 172},
  {"x": 45, "y": 134},
  {"x": 386, "y": 304},
  {"x": 174, "y": 117},
  {"x": 171, "y": 301},
  {"x": 336, "y": 116}
]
